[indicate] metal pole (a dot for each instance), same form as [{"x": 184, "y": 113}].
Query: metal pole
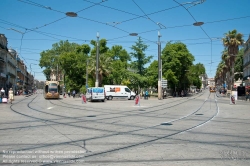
[
  {"x": 159, "y": 67},
  {"x": 97, "y": 60},
  {"x": 57, "y": 72},
  {"x": 87, "y": 73}
]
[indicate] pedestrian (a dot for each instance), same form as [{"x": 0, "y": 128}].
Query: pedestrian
[
  {"x": 182, "y": 93},
  {"x": 2, "y": 93},
  {"x": 74, "y": 93},
  {"x": 11, "y": 95},
  {"x": 146, "y": 94},
  {"x": 69, "y": 93},
  {"x": 247, "y": 95}
]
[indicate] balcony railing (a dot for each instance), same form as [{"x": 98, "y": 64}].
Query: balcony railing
[{"x": 18, "y": 59}]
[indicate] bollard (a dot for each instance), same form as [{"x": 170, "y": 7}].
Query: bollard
[
  {"x": 137, "y": 100},
  {"x": 84, "y": 100}
]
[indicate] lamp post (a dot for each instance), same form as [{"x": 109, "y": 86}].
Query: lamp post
[
  {"x": 97, "y": 60},
  {"x": 87, "y": 74},
  {"x": 159, "y": 67}
]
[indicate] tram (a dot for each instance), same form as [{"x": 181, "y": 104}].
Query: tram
[
  {"x": 212, "y": 89},
  {"x": 51, "y": 90}
]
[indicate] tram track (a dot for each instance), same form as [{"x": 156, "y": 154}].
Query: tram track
[
  {"x": 96, "y": 121},
  {"x": 117, "y": 133},
  {"x": 153, "y": 139}
]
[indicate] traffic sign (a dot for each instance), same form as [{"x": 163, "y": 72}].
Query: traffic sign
[{"x": 164, "y": 83}]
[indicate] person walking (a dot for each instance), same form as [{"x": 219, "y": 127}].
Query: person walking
[
  {"x": 146, "y": 94},
  {"x": 182, "y": 93},
  {"x": 69, "y": 93},
  {"x": 11, "y": 95},
  {"x": 2, "y": 93},
  {"x": 247, "y": 95}
]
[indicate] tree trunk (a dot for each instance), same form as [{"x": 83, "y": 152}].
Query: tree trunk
[{"x": 232, "y": 78}]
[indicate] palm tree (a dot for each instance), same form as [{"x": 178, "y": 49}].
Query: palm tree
[
  {"x": 225, "y": 66},
  {"x": 104, "y": 67},
  {"x": 232, "y": 41}
]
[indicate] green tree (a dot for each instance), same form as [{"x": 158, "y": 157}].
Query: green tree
[
  {"x": 239, "y": 65},
  {"x": 141, "y": 59},
  {"x": 176, "y": 62},
  {"x": 152, "y": 74},
  {"x": 119, "y": 65},
  {"x": 74, "y": 65},
  {"x": 232, "y": 41},
  {"x": 50, "y": 58},
  {"x": 193, "y": 75},
  {"x": 104, "y": 67}
]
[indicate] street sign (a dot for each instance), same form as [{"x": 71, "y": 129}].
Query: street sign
[{"x": 164, "y": 83}]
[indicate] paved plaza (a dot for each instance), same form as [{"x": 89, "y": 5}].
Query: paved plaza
[{"x": 198, "y": 130}]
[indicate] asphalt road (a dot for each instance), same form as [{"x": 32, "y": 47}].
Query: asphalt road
[{"x": 203, "y": 129}]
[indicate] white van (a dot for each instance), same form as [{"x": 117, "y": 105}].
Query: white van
[
  {"x": 118, "y": 91},
  {"x": 95, "y": 93}
]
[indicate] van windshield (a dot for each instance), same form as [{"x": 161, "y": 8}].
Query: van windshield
[{"x": 127, "y": 90}]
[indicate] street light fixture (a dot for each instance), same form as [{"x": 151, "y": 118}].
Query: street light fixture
[
  {"x": 97, "y": 60},
  {"x": 133, "y": 34},
  {"x": 198, "y": 23},
  {"x": 71, "y": 14}
]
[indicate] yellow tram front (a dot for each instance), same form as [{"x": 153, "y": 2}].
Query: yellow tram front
[
  {"x": 51, "y": 90},
  {"x": 212, "y": 89}
]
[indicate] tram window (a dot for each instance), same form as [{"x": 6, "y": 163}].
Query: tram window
[
  {"x": 46, "y": 88},
  {"x": 53, "y": 87}
]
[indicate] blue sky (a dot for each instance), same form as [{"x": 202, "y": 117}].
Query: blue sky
[{"x": 45, "y": 22}]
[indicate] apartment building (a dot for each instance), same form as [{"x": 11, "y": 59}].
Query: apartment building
[
  {"x": 3, "y": 64},
  {"x": 246, "y": 63},
  {"x": 13, "y": 71}
]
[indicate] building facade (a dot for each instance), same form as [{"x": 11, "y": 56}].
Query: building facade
[
  {"x": 3, "y": 62},
  {"x": 204, "y": 80},
  {"x": 246, "y": 63},
  {"x": 13, "y": 71}
]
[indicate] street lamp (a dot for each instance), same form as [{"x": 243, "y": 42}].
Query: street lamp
[
  {"x": 87, "y": 73},
  {"x": 159, "y": 67},
  {"x": 71, "y": 14},
  {"x": 97, "y": 60}
]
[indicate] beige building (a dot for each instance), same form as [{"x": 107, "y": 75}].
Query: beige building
[
  {"x": 3, "y": 62},
  {"x": 13, "y": 71}
]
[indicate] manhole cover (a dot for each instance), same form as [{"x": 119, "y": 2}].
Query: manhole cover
[
  {"x": 166, "y": 124},
  {"x": 141, "y": 110},
  {"x": 198, "y": 114},
  {"x": 91, "y": 116}
]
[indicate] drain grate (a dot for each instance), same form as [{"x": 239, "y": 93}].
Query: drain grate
[
  {"x": 91, "y": 116},
  {"x": 166, "y": 124},
  {"x": 198, "y": 114}
]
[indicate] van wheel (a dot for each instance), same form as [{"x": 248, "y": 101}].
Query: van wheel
[
  {"x": 103, "y": 100},
  {"x": 132, "y": 97},
  {"x": 110, "y": 98}
]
